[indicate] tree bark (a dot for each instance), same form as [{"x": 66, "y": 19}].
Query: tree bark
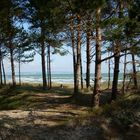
[
  {"x": 134, "y": 72},
  {"x": 1, "y": 81},
  {"x": 19, "y": 72},
  {"x": 124, "y": 73},
  {"x": 4, "y": 76},
  {"x": 109, "y": 72},
  {"x": 81, "y": 73},
  {"x": 49, "y": 68},
  {"x": 116, "y": 72},
  {"x": 12, "y": 66},
  {"x": 117, "y": 50},
  {"x": 88, "y": 50},
  {"x": 19, "y": 68},
  {"x": 73, "y": 52},
  {"x": 78, "y": 54},
  {"x": 43, "y": 67},
  {"x": 97, "y": 81},
  {"x": 43, "y": 57}
]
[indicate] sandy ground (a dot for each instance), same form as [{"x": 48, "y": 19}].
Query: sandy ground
[
  {"x": 54, "y": 116},
  {"x": 49, "y": 119}
]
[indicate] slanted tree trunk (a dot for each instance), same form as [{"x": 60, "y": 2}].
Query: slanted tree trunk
[
  {"x": 88, "y": 50},
  {"x": 73, "y": 53},
  {"x": 116, "y": 60},
  {"x": 109, "y": 69},
  {"x": 4, "y": 76},
  {"x": 97, "y": 81},
  {"x": 74, "y": 65},
  {"x": 124, "y": 72},
  {"x": 78, "y": 54},
  {"x": 43, "y": 57},
  {"x": 12, "y": 66},
  {"x": 134, "y": 71}
]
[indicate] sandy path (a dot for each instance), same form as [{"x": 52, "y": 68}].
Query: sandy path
[{"x": 47, "y": 119}]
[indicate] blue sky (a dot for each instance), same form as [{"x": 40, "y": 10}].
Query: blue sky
[{"x": 59, "y": 64}]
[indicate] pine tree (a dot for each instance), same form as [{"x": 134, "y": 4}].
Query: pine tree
[
  {"x": 9, "y": 12},
  {"x": 24, "y": 51},
  {"x": 97, "y": 82}
]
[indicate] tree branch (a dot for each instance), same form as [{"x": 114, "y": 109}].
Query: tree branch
[{"x": 125, "y": 49}]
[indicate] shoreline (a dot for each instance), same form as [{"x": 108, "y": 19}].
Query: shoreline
[
  {"x": 60, "y": 78},
  {"x": 57, "y": 83}
]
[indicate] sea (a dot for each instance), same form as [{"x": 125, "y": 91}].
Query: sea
[{"x": 57, "y": 77}]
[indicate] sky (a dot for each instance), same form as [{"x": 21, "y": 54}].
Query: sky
[{"x": 59, "y": 64}]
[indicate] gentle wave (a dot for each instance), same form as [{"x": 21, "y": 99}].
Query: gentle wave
[{"x": 57, "y": 78}]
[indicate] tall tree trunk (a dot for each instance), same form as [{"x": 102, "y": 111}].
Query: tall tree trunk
[
  {"x": 116, "y": 60},
  {"x": 116, "y": 72},
  {"x": 78, "y": 54},
  {"x": 12, "y": 67},
  {"x": 124, "y": 72},
  {"x": 19, "y": 69},
  {"x": 49, "y": 68},
  {"x": 19, "y": 72},
  {"x": 73, "y": 53},
  {"x": 4, "y": 76},
  {"x": 43, "y": 57},
  {"x": 97, "y": 81},
  {"x": 134, "y": 71},
  {"x": 1, "y": 82},
  {"x": 43, "y": 67},
  {"x": 88, "y": 50},
  {"x": 81, "y": 72},
  {"x": 109, "y": 69},
  {"x": 1, "y": 79}
]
